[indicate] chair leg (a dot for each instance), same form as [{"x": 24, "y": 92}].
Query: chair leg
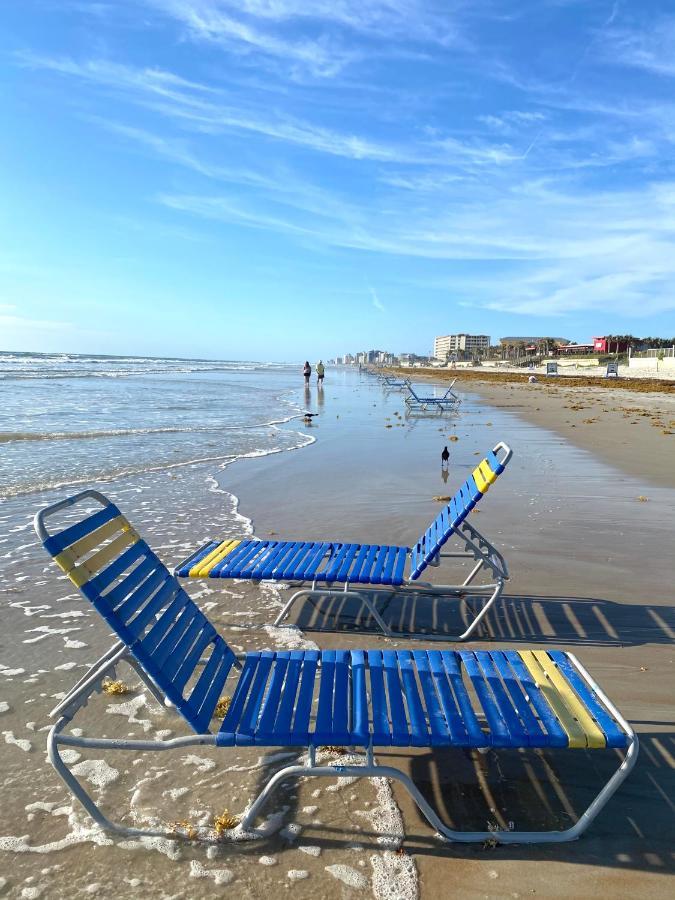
[
  {"x": 481, "y": 615},
  {"x": 450, "y": 834},
  {"x": 359, "y": 595},
  {"x": 81, "y": 794}
]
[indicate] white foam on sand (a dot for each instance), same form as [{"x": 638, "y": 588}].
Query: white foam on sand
[
  {"x": 289, "y": 637},
  {"x": 10, "y": 673},
  {"x": 21, "y": 743},
  {"x": 129, "y": 709},
  {"x": 347, "y": 875},
  {"x": 219, "y": 876},
  {"x": 96, "y": 771},
  {"x": 297, "y": 874},
  {"x": 162, "y": 845},
  {"x": 202, "y": 765}
]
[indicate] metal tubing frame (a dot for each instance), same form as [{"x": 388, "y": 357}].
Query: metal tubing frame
[
  {"x": 487, "y": 557},
  {"x": 449, "y": 400},
  {"x": 370, "y": 769}
]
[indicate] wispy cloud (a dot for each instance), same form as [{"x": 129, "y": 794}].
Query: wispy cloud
[
  {"x": 317, "y": 38},
  {"x": 377, "y": 303},
  {"x": 205, "y": 110},
  {"x": 650, "y": 47}
]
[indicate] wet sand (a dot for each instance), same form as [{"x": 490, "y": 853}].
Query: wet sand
[
  {"x": 632, "y": 430},
  {"x": 591, "y": 572}
]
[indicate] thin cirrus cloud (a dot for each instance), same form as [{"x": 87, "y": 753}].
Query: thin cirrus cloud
[
  {"x": 183, "y": 101},
  {"x": 321, "y": 38}
]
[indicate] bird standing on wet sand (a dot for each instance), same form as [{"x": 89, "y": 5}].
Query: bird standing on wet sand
[
  {"x": 308, "y": 416},
  {"x": 445, "y": 456}
]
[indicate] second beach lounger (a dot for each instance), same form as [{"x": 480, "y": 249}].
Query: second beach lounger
[
  {"x": 449, "y": 400},
  {"x": 505, "y": 700},
  {"x": 369, "y": 572}
]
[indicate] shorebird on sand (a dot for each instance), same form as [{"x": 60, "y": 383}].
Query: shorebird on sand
[{"x": 445, "y": 456}]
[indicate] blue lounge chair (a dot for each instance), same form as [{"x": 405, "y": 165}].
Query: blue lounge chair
[
  {"x": 449, "y": 400},
  {"x": 369, "y": 572},
  {"x": 308, "y": 698},
  {"x": 393, "y": 383}
]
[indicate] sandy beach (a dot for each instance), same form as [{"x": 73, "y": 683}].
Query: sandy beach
[
  {"x": 628, "y": 422},
  {"x": 587, "y": 529}
]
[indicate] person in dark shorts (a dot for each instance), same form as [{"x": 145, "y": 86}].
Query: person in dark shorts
[
  {"x": 320, "y": 372},
  {"x": 307, "y": 371}
]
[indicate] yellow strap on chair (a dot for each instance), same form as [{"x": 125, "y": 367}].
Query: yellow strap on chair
[
  {"x": 204, "y": 566},
  {"x": 80, "y": 574},
  {"x": 581, "y": 728},
  {"x": 484, "y": 476}
]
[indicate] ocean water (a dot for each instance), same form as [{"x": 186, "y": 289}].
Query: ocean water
[
  {"x": 160, "y": 437},
  {"x": 73, "y": 419}
]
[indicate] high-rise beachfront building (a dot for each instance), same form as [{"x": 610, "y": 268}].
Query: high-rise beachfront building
[{"x": 461, "y": 344}]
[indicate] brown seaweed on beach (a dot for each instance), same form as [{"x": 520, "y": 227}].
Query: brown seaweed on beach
[
  {"x": 110, "y": 686},
  {"x": 184, "y": 829},
  {"x": 224, "y": 822},
  {"x": 442, "y": 498},
  {"x": 222, "y": 707}
]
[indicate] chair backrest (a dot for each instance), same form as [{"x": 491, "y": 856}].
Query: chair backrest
[
  {"x": 142, "y": 602},
  {"x": 551, "y": 368},
  {"x": 459, "y": 507},
  {"x": 612, "y": 369}
]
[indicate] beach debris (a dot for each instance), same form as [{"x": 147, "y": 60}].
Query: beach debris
[
  {"x": 333, "y": 749},
  {"x": 224, "y": 822},
  {"x": 643, "y": 499},
  {"x": 453, "y": 437},
  {"x": 644, "y": 668},
  {"x": 222, "y": 707},
  {"x": 184, "y": 829},
  {"x": 110, "y": 686},
  {"x": 441, "y": 498},
  {"x": 490, "y": 844},
  {"x": 388, "y": 426}
]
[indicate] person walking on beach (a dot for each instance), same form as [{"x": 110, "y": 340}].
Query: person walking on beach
[
  {"x": 307, "y": 371},
  {"x": 320, "y": 371}
]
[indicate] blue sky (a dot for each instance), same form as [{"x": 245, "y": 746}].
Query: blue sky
[{"x": 281, "y": 179}]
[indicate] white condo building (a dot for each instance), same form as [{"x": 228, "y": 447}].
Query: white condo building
[{"x": 470, "y": 344}]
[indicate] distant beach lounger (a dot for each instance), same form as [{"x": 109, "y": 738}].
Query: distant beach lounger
[
  {"x": 390, "y": 381},
  {"x": 369, "y": 572},
  {"x": 449, "y": 400},
  {"x": 308, "y": 698}
]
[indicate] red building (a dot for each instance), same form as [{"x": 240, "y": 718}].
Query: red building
[{"x": 609, "y": 345}]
